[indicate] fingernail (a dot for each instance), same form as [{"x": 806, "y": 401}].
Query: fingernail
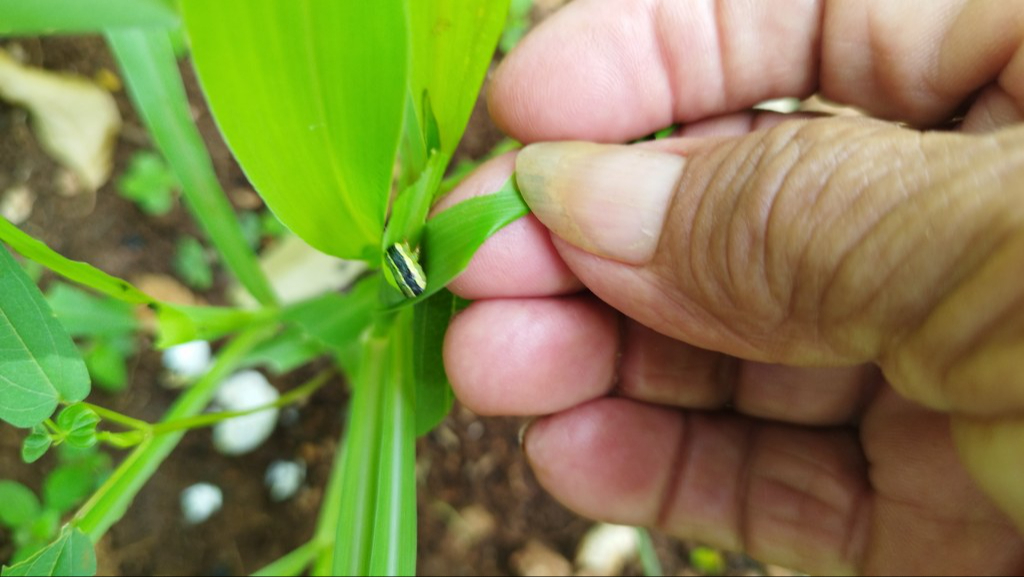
[{"x": 607, "y": 199}]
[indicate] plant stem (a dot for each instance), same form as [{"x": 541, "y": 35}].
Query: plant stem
[
  {"x": 148, "y": 430},
  {"x": 120, "y": 419},
  {"x": 648, "y": 556},
  {"x": 199, "y": 421},
  {"x": 110, "y": 502}
]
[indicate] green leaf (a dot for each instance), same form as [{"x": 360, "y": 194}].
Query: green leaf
[
  {"x": 78, "y": 425},
  {"x": 292, "y": 564},
  {"x": 106, "y": 359},
  {"x": 183, "y": 323},
  {"x": 309, "y": 95},
  {"x": 409, "y": 211},
  {"x": 71, "y": 554},
  {"x": 517, "y": 25},
  {"x": 336, "y": 320},
  {"x": 707, "y": 561},
  {"x": 41, "y": 366},
  {"x": 192, "y": 264},
  {"x": 67, "y": 486},
  {"x": 149, "y": 183},
  {"x": 453, "y": 236},
  {"x": 287, "y": 351},
  {"x": 434, "y": 395},
  {"x": 79, "y": 272},
  {"x": 36, "y": 17},
  {"x": 146, "y": 58},
  {"x": 376, "y": 524},
  {"x": 648, "y": 556},
  {"x": 84, "y": 315},
  {"x": 452, "y": 45},
  {"x": 393, "y": 550},
  {"x": 36, "y": 444},
  {"x": 20, "y": 504}
]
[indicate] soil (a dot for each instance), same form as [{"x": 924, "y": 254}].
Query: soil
[{"x": 481, "y": 511}]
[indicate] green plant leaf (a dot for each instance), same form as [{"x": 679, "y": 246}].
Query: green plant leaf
[
  {"x": 292, "y": 564},
  {"x": 376, "y": 524},
  {"x": 78, "y": 424},
  {"x": 183, "y": 323},
  {"x": 149, "y": 183},
  {"x": 393, "y": 549},
  {"x": 452, "y": 45},
  {"x": 67, "y": 486},
  {"x": 36, "y": 444},
  {"x": 79, "y": 272},
  {"x": 106, "y": 358},
  {"x": 517, "y": 25},
  {"x": 309, "y": 95},
  {"x": 287, "y": 351},
  {"x": 192, "y": 264},
  {"x": 453, "y": 236},
  {"x": 707, "y": 561},
  {"x": 335, "y": 320},
  {"x": 70, "y": 554},
  {"x": 409, "y": 211},
  {"x": 84, "y": 315},
  {"x": 41, "y": 366},
  {"x": 434, "y": 395},
  {"x": 147, "y": 60},
  {"x": 76, "y": 17},
  {"x": 20, "y": 504}
]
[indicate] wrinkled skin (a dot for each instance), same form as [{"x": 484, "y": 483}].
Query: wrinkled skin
[{"x": 819, "y": 357}]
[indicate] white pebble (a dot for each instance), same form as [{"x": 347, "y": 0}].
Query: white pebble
[
  {"x": 200, "y": 501},
  {"x": 284, "y": 479},
  {"x": 605, "y": 549},
  {"x": 188, "y": 361},
  {"x": 241, "y": 392}
]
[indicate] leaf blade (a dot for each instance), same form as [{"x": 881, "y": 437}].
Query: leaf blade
[
  {"x": 452, "y": 45},
  {"x": 332, "y": 76},
  {"x": 76, "y": 17},
  {"x": 147, "y": 60},
  {"x": 41, "y": 366},
  {"x": 71, "y": 554}
]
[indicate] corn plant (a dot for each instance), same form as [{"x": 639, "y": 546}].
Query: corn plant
[{"x": 320, "y": 101}]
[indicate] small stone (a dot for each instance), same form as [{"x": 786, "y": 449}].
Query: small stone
[
  {"x": 284, "y": 479},
  {"x": 606, "y": 549},
  {"x": 187, "y": 361},
  {"x": 16, "y": 203},
  {"x": 535, "y": 558},
  {"x": 241, "y": 392},
  {"x": 200, "y": 501}
]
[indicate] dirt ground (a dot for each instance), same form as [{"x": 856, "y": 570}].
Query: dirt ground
[{"x": 481, "y": 511}]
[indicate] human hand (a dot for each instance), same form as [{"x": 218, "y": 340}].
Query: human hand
[{"x": 807, "y": 339}]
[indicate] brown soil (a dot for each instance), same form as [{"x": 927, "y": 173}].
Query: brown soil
[{"x": 480, "y": 506}]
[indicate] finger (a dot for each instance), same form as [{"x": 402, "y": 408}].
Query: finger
[
  {"x": 658, "y": 369},
  {"x": 531, "y": 356},
  {"x": 825, "y": 242},
  {"x": 519, "y": 260},
  {"x": 783, "y": 496},
  {"x": 613, "y": 71}
]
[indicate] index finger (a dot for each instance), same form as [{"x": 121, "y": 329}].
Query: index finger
[{"x": 616, "y": 70}]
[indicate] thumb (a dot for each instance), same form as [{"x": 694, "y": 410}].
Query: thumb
[{"x": 826, "y": 241}]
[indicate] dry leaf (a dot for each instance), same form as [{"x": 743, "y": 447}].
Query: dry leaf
[{"x": 75, "y": 120}]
